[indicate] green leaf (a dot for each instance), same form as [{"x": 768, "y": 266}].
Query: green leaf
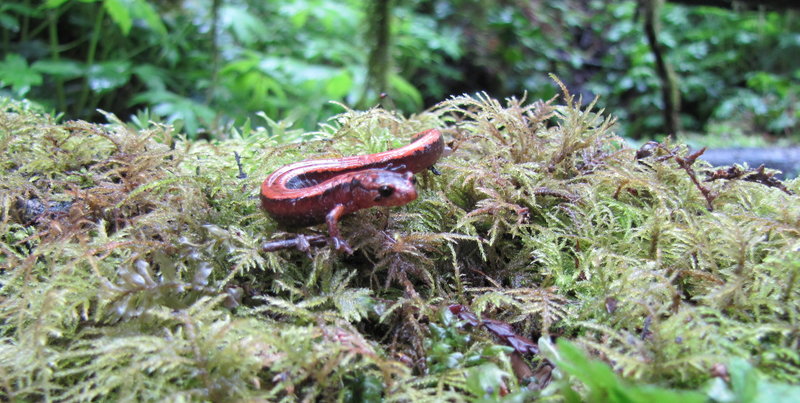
[
  {"x": 363, "y": 388},
  {"x": 60, "y": 68},
  {"x": 339, "y": 85},
  {"x": 596, "y": 375},
  {"x": 8, "y": 22},
  {"x": 153, "y": 76},
  {"x": 120, "y": 14},
  {"x": 246, "y": 27},
  {"x": 109, "y": 75},
  {"x": 14, "y": 71},
  {"x": 175, "y": 108},
  {"x": 718, "y": 391},
  {"x": 605, "y": 386},
  {"x": 144, "y": 10},
  {"x": 744, "y": 380},
  {"x": 405, "y": 91},
  {"x": 299, "y": 19},
  {"x": 486, "y": 379},
  {"x": 748, "y": 385},
  {"x": 54, "y": 3}
]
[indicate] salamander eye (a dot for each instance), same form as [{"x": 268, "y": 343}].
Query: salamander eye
[{"x": 385, "y": 191}]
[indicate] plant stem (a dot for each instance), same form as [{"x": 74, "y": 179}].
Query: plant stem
[
  {"x": 6, "y": 41},
  {"x": 54, "y": 51},
  {"x": 90, "y": 59},
  {"x": 787, "y": 290},
  {"x": 214, "y": 52},
  {"x": 24, "y": 26}
]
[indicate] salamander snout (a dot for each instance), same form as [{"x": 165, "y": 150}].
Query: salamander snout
[{"x": 379, "y": 187}]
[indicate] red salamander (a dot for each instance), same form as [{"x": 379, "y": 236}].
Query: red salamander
[{"x": 316, "y": 191}]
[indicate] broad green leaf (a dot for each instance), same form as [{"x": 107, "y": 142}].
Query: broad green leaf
[
  {"x": 405, "y": 90},
  {"x": 749, "y": 385},
  {"x": 9, "y": 22},
  {"x": 109, "y": 75},
  {"x": 120, "y": 14},
  {"x": 176, "y": 108},
  {"x": 54, "y": 3},
  {"x": 297, "y": 12},
  {"x": 144, "y": 10},
  {"x": 299, "y": 19},
  {"x": 605, "y": 386},
  {"x": 595, "y": 374},
  {"x": 14, "y": 72},
  {"x": 744, "y": 380},
  {"x": 240, "y": 66},
  {"x": 486, "y": 379},
  {"x": 60, "y": 68},
  {"x": 339, "y": 85},
  {"x": 245, "y": 26},
  {"x": 153, "y": 77},
  {"x": 363, "y": 389}
]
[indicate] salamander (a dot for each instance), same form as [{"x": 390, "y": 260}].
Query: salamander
[{"x": 316, "y": 191}]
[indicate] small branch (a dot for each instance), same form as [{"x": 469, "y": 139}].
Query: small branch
[
  {"x": 301, "y": 243},
  {"x": 649, "y": 148},
  {"x": 241, "y": 175},
  {"x": 757, "y": 175},
  {"x": 686, "y": 164}
]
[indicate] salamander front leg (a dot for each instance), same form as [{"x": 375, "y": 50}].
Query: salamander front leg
[{"x": 333, "y": 229}]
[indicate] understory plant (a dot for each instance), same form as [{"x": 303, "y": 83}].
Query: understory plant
[{"x": 132, "y": 265}]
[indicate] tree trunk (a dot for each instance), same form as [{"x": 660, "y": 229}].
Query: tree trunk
[
  {"x": 670, "y": 94},
  {"x": 380, "y": 57}
]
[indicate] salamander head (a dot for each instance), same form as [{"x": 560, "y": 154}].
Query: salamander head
[{"x": 379, "y": 187}]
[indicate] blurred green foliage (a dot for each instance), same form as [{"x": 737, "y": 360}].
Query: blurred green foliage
[
  {"x": 602, "y": 384},
  {"x": 205, "y": 64},
  {"x": 746, "y": 383},
  {"x": 735, "y": 68}
]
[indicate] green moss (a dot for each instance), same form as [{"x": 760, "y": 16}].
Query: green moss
[{"x": 132, "y": 268}]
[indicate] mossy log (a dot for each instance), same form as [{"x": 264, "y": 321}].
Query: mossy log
[{"x": 132, "y": 267}]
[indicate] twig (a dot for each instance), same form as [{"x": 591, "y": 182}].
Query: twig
[
  {"x": 241, "y": 175},
  {"x": 686, "y": 164},
  {"x": 757, "y": 175},
  {"x": 302, "y": 243}
]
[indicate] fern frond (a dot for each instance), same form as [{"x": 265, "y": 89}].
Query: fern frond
[{"x": 540, "y": 308}]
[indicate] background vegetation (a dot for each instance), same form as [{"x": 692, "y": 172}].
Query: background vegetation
[{"x": 214, "y": 65}]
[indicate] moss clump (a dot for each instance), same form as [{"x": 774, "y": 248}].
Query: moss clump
[{"x": 132, "y": 267}]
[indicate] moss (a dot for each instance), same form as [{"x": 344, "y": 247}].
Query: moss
[{"x": 132, "y": 268}]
